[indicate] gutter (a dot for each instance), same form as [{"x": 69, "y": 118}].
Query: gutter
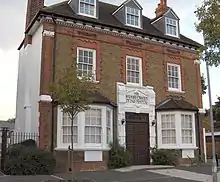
[{"x": 53, "y": 80}]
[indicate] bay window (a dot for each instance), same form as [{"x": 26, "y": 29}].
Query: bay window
[
  {"x": 92, "y": 129},
  {"x": 176, "y": 129}
]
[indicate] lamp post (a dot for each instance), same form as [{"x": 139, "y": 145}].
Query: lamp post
[{"x": 214, "y": 164}]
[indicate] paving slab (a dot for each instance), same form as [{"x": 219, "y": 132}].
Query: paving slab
[
  {"x": 176, "y": 173},
  {"x": 142, "y": 167}
]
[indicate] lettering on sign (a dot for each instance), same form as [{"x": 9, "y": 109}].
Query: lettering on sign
[{"x": 136, "y": 98}]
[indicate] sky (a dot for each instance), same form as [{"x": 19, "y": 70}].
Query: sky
[{"x": 12, "y": 18}]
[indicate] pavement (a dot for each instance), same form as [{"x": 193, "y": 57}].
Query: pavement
[{"x": 130, "y": 174}]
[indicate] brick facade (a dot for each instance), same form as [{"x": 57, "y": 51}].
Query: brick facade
[
  {"x": 63, "y": 162},
  {"x": 111, "y": 54}
]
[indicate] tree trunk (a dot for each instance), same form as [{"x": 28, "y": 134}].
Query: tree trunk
[
  {"x": 72, "y": 120},
  {"x": 71, "y": 151}
]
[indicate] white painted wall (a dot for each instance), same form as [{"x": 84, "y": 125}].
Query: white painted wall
[
  {"x": 28, "y": 86},
  {"x": 124, "y": 106}
]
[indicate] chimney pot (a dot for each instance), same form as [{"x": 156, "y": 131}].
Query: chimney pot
[{"x": 161, "y": 8}]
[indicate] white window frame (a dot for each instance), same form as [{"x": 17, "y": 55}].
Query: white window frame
[
  {"x": 94, "y": 61},
  {"x": 140, "y": 71},
  {"x": 179, "y": 144},
  {"x": 168, "y": 129},
  {"x": 179, "y": 76},
  {"x": 186, "y": 128},
  {"x": 81, "y": 145},
  {"x": 177, "y": 27},
  {"x": 139, "y": 15},
  {"x": 84, "y": 14}
]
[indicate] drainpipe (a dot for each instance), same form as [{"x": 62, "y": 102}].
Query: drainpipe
[
  {"x": 199, "y": 133},
  {"x": 53, "y": 80}
]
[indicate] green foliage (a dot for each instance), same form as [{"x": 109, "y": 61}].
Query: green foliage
[
  {"x": 73, "y": 94},
  {"x": 164, "y": 156},
  {"x": 204, "y": 86},
  {"x": 208, "y": 14},
  {"x": 118, "y": 156},
  {"x": 22, "y": 160},
  {"x": 11, "y": 120},
  {"x": 216, "y": 110}
]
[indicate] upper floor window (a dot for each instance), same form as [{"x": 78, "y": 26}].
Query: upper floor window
[
  {"x": 86, "y": 59},
  {"x": 132, "y": 17},
  {"x": 134, "y": 70},
  {"x": 171, "y": 27},
  {"x": 174, "y": 77},
  {"x": 87, "y": 7}
]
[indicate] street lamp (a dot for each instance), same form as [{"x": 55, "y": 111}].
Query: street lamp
[{"x": 214, "y": 163}]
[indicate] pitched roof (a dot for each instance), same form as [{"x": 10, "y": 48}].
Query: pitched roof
[
  {"x": 98, "y": 98},
  {"x": 106, "y": 18},
  {"x": 175, "y": 103}
]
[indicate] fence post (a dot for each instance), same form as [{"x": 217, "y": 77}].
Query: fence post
[{"x": 4, "y": 148}]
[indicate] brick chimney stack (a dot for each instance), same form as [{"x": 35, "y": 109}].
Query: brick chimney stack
[
  {"x": 33, "y": 6},
  {"x": 161, "y": 8}
]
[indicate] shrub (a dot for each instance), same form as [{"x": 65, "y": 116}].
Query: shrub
[
  {"x": 164, "y": 156},
  {"x": 118, "y": 156},
  {"x": 22, "y": 160}
]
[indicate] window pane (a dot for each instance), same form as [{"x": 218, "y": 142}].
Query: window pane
[
  {"x": 85, "y": 62},
  {"x": 186, "y": 127},
  {"x": 93, "y": 126},
  {"x": 168, "y": 129},
  {"x": 133, "y": 70},
  {"x": 173, "y": 76}
]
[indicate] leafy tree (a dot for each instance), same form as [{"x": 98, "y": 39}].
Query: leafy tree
[
  {"x": 208, "y": 14},
  {"x": 204, "y": 86},
  {"x": 73, "y": 93},
  {"x": 216, "y": 110},
  {"x": 11, "y": 120}
]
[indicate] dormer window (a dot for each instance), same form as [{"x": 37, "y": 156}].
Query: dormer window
[
  {"x": 132, "y": 17},
  {"x": 87, "y": 7},
  {"x": 171, "y": 27}
]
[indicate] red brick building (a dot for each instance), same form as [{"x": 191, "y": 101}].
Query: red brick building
[{"x": 149, "y": 79}]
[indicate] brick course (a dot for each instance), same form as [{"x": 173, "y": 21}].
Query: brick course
[{"x": 111, "y": 52}]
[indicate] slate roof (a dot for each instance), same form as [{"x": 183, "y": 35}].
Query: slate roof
[
  {"x": 98, "y": 98},
  {"x": 175, "y": 103},
  {"x": 106, "y": 18}
]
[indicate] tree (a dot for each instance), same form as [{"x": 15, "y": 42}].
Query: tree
[
  {"x": 73, "y": 94},
  {"x": 11, "y": 120},
  {"x": 208, "y": 15},
  {"x": 216, "y": 110},
  {"x": 204, "y": 86}
]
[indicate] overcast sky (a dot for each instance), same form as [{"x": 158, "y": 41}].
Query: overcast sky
[{"x": 12, "y": 18}]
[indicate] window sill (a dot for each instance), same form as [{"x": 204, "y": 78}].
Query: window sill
[
  {"x": 82, "y": 149},
  {"x": 176, "y": 91},
  {"x": 176, "y": 36},
  {"x": 171, "y": 146}
]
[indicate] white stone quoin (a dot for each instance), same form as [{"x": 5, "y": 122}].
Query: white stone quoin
[{"x": 126, "y": 103}]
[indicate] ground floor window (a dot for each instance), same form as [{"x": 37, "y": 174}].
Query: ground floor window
[
  {"x": 91, "y": 129},
  {"x": 176, "y": 129}
]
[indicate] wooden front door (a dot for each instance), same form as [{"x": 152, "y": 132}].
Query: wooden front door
[{"x": 137, "y": 137}]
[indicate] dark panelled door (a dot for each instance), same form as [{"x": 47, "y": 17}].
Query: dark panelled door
[{"x": 137, "y": 137}]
